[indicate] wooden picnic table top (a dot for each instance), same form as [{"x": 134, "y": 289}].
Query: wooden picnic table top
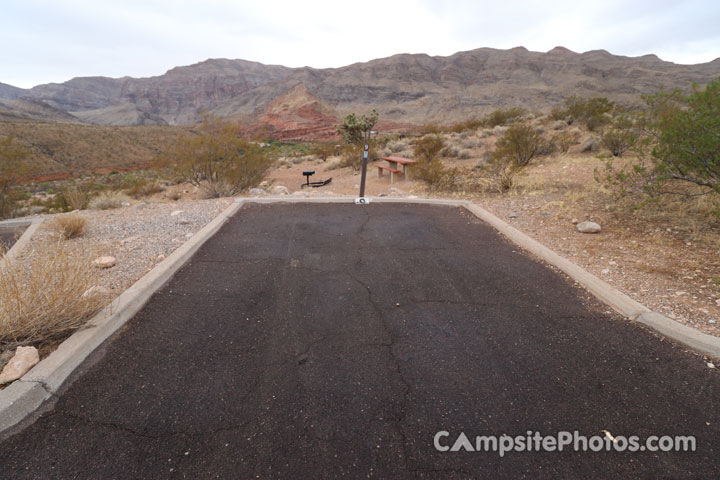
[{"x": 400, "y": 160}]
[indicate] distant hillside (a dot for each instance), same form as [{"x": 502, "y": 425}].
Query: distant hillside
[
  {"x": 62, "y": 150},
  {"x": 29, "y": 110},
  {"x": 404, "y": 88},
  {"x": 8, "y": 92}
]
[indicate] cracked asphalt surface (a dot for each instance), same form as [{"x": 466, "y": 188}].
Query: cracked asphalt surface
[{"x": 328, "y": 341}]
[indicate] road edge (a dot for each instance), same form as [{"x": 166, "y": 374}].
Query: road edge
[
  {"x": 24, "y": 396},
  {"x": 618, "y": 301}
]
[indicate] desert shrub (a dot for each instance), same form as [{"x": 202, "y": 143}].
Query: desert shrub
[
  {"x": 518, "y": 145},
  {"x": 49, "y": 296},
  {"x": 218, "y": 161},
  {"x": 620, "y": 137},
  {"x": 503, "y": 116},
  {"x": 427, "y": 148},
  {"x": 565, "y": 140},
  {"x": 352, "y": 156},
  {"x": 396, "y": 147},
  {"x": 464, "y": 155},
  {"x": 450, "y": 152},
  {"x": 324, "y": 150},
  {"x": 591, "y": 112},
  {"x": 503, "y": 176},
  {"x": 70, "y": 225},
  {"x": 680, "y": 144},
  {"x": 429, "y": 168},
  {"x": 469, "y": 125},
  {"x": 74, "y": 198},
  {"x": 107, "y": 200}
]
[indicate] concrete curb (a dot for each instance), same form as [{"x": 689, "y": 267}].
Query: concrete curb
[
  {"x": 23, "y": 397},
  {"x": 621, "y": 303},
  {"x": 24, "y": 239},
  {"x": 42, "y": 382}
]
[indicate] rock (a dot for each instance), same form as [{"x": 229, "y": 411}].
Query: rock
[
  {"x": 257, "y": 191},
  {"x": 106, "y": 261},
  {"x": 25, "y": 358},
  {"x": 591, "y": 144},
  {"x": 184, "y": 221},
  {"x": 280, "y": 190},
  {"x": 176, "y": 213},
  {"x": 125, "y": 204},
  {"x": 96, "y": 290},
  {"x": 575, "y": 221},
  {"x": 605, "y": 271},
  {"x": 588, "y": 227},
  {"x": 711, "y": 365},
  {"x": 161, "y": 257},
  {"x": 513, "y": 215}
]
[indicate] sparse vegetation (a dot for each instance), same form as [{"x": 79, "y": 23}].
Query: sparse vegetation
[
  {"x": 70, "y": 226},
  {"x": 219, "y": 162},
  {"x": 107, "y": 200},
  {"x": 13, "y": 168},
  {"x": 591, "y": 112},
  {"x": 679, "y": 145},
  {"x": 429, "y": 167},
  {"x": 565, "y": 140},
  {"x": 518, "y": 145},
  {"x": 503, "y": 116},
  {"x": 75, "y": 198},
  {"x": 49, "y": 297}
]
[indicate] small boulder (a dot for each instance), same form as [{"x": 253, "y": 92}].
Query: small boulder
[
  {"x": 280, "y": 190},
  {"x": 256, "y": 192},
  {"x": 104, "y": 262},
  {"x": 25, "y": 358},
  {"x": 575, "y": 221},
  {"x": 588, "y": 227}
]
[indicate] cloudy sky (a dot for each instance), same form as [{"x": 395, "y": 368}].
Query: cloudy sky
[{"x": 54, "y": 40}]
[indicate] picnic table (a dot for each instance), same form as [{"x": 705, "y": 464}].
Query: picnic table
[{"x": 393, "y": 167}]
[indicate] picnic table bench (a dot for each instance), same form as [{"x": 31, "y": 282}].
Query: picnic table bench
[{"x": 393, "y": 167}]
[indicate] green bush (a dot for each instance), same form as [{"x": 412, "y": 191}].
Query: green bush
[
  {"x": 218, "y": 161},
  {"x": 518, "y": 145},
  {"x": 680, "y": 143}
]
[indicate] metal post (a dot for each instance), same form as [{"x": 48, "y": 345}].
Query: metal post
[{"x": 364, "y": 165}]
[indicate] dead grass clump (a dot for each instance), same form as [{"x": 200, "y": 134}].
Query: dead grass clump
[
  {"x": 107, "y": 200},
  {"x": 48, "y": 296},
  {"x": 75, "y": 199},
  {"x": 70, "y": 226}
]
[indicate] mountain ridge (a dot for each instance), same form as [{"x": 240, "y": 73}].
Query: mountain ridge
[{"x": 404, "y": 88}]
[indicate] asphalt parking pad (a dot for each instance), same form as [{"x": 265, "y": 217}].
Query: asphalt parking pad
[{"x": 329, "y": 340}]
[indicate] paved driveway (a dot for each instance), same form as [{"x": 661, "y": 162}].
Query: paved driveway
[{"x": 328, "y": 341}]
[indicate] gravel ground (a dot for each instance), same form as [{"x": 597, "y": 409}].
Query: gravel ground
[{"x": 139, "y": 236}]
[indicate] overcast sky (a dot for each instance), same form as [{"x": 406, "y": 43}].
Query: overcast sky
[{"x": 55, "y": 40}]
